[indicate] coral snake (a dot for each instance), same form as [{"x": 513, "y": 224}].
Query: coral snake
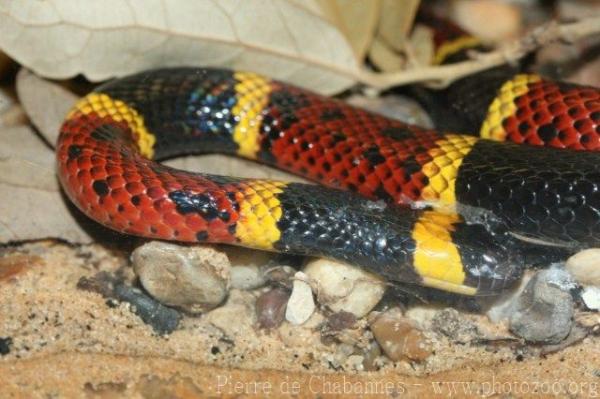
[{"x": 480, "y": 192}]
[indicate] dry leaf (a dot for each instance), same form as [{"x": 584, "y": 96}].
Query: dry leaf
[
  {"x": 421, "y": 42},
  {"x": 32, "y": 206},
  {"x": 396, "y": 22},
  {"x": 218, "y": 164},
  {"x": 389, "y": 48},
  {"x": 357, "y": 19},
  {"x": 45, "y": 103},
  {"x": 282, "y": 39},
  {"x": 384, "y": 57}
]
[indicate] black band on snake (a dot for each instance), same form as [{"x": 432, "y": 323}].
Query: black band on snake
[{"x": 479, "y": 193}]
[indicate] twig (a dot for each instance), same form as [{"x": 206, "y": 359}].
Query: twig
[{"x": 440, "y": 76}]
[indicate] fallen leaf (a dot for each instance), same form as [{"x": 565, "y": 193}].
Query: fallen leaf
[
  {"x": 421, "y": 42},
  {"x": 218, "y": 164},
  {"x": 357, "y": 19},
  {"x": 282, "y": 39},
  {"x": 32, "y": 206},
  {"x": 389, "y": 49},
  {"x": 46, "y": 103},
  {"x": 384, "y": 57},
  {"x": 397, "y": 18}
]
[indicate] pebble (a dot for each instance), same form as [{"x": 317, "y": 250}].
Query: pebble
[
  {"x": 302, "y": 336},
  {"x": 5, "y": 344},
  {"x": 371, "y": 356},
  {"x": 162, "y": 319},
  {"x": 270, "y": 308},
  {"x": 452, "y": 324},
  {"x": 399, "y": 338},
  {"x": 248, "y": 267},
  {"x": 341, "y": 321},
  {"x": 301, "y": 304},
  {"x": 192, "y": 278},
  {"x": 585, "y": 266},
  {"x": 591, "y": 297},
  {"x": 236, "y": 318},
  {"x": 342, "y": 287},
  {"x": 544, "y": 311},
  {"x": 503, "y": 307}
]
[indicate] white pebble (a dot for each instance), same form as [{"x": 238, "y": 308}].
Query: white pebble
[
  {"x": 342, "y": 287},
  {"x": 591, "y": 297},
  {"x": 585, "y": 266},
  {"x": 301, "y": 304},
  {"x": 192, "y": 278}
]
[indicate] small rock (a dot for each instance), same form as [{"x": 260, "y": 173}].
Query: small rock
[
  {"x": 341, "y": 354},
  {"x": 544, "y": 311},
  {"x": 342, "y": 287},
  {"x": 422, "y": 314},
  {"x": 371, "y": 356},
  {"x": 355, "y": 362},
  {"x": 162, "y": 319},
  {"x": 248, "y": 267},
  {"x": 585, "y": 266},
  {"x": 302, "y": 336},
  {"x": 503, "y": 307},
  {"x": 341, "y": 321},
  {"x": 192, "y": 278},
  {"x": 456, "y": 327},
  {"x": 236, "y": 318},
  {"x": 399, "y": 338},
  {"x": 5, "y": 344},
  {"x": 301, "y": 304},
  {"x": 270, "y": 308},
  {"x": 335, "y": 327},
  {"x": 591, "y": 297}
]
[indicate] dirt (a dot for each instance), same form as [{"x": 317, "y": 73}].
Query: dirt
[{"x": 58, "y": 340}]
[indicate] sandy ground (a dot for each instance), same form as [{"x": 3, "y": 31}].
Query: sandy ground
[{"x": 63, "y": 341}]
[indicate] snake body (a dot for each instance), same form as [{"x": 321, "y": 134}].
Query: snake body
[
  {"x": 502, "y": 103},
  {"x": 109, "y": 144}
]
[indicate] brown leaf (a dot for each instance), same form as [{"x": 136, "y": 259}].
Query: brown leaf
[
  {"x": 384, "y": 57},
  {"x": 357, "y": 19},
  {"x": 32, "y": 206},
  {"x": 45, "y": 103},
  {"x": 229, "y": 166},
  {"x": 395, "y": 23},
  {"x": 279, "y": 38}
]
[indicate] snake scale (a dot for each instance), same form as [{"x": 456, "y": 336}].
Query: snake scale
[{"x": 110, "y": 142}]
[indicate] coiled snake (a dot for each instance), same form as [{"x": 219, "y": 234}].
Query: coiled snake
[{"x": 109, "y": 143}]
